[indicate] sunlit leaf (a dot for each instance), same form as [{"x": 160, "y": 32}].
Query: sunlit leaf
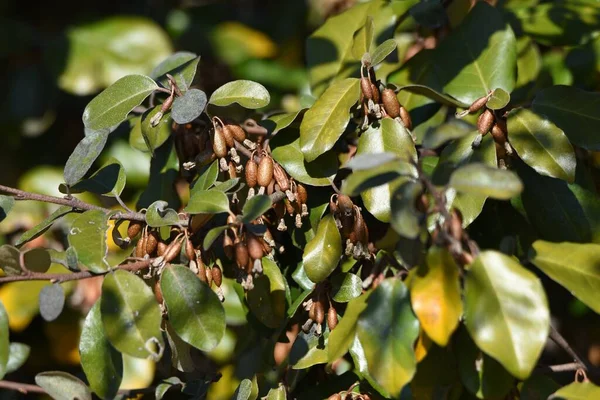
[
  {"x": 182, "y": 66},
  {"x": 63, "y": 386},
  {"x": 84, "y": 155},
  {"x": 480, "y": 179},
  {"x": 109, "y": 180},
  {"x": 18, "y": 355},
  {"x": 382, "y": 51},
  {"x": 155, "y": 136},
  {"x": 577, "y": 391},
  {"x": 323, "y": 252},
  {"x": 255, "y": 207},
  {"x": 498, "y": 100},
  {"x": 88, "y": 237},
  {"x": 345, "y": 287},
  {"x": 207, "y": 202},
  {"x": 159, "y": 214},
  {"x": 248, "y": 94}
]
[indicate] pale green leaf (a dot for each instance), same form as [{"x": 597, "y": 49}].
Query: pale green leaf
[
  {"x": 84, "y": 155},
  {"x": 155, "y": 136},
  {"x": 207, "y": 202},
  {"x": 188, "y": 107},
  {"x": 345, "y": 287},
  {"x": 480, "y": 179},
  {"x": 63, "y": 386},
  {"x": 88, "y": 237},
  {"x": 52, "y": 301},
  {"x": 4, "y": 341},
  {"x": 248, "y": 94},
  {"x": 498, "y": 100},
  {"x": 577, "y": 391},
  {"x": 159, "y": 214}
]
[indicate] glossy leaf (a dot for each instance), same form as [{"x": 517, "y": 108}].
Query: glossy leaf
[
  {"x": 345, "y": 287},
  {"x": 18, "y": 355},
  {"x": 212, "y": 235},
  {"x": 207, "y": 177},
  {"x": 182, "y": 66},
  {"x": 159, "y": 214},
  {"x": 480, "y": 179},
  {"x": 277, "y": 122},
  {"x": 405, "y": 218},
  {"x": 165, "y": 385},
  {"x": 435, "y": 295},
  {"x": 541, "y": 144},
  {"x": 322, "y": 253},
  {"x": 387, "y": 330},
  {"x": 6, "y": 204},
  {"x": 102, "y": 364},
  {"x": 52, "y": 301},
  {"x": 131, "y": 316},
  {"x": 4, "y": 341},
  {"x": 574, "y": 111},
  {"x": 207, "y": 202},
  {"x": 43, "y": 226},
  {"x": 195, "y": 311},
  {"x": 453, "y": 129},
  {"x": 188, "y": 107},
  {"x": 109, "y": 180},
  {"x": 433, "y": 94},
  {"x": 343, "y": 335},
  {"x": 575, "y": 266},
  {"x": 84, "y": 155},
  {"x": 36, "y": 260},
  {"x": 88, "y": 237},
  {"x": 63, "y": 386},
  {"x": 498, "y": 100},
  {"x": 255, "y": 207},
  {"x": 111, "y": 107},
  {"x": 504, "y": 302},
  {"x": 309, "y": 349},
  {"x": 577, "y": 391},
  {"x": 248, "y": 94},
  {"x": 382, "y": 51},
  {"x": 155, "y": 136},
  {"x": 326, "y": 120}
]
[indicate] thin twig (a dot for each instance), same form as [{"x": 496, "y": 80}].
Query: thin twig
[
  {"x": 59, "y": 278},
  {"x": 28, "y": 388},
  {"x": 560, "y": 340},
  {"x": 558, "y": 368}
]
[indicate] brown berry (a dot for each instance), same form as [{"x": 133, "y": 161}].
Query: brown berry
[
  {"x": 251, "y": 173},
  {"x": 332, "y": 319},
  {"x": 366, "y": 88},
  {"x": 485, "y": 122},
  {"x": 239, "y": 134},
  {"x": 301, "y": 194},
  {"x": 219, "y": 144},
  {"x": 319, "y": 312},
  {"x": 478, "y": 104},
  {"x": 228, "y": 136},
  {"x": 311, "y": 311},
  {"x": 190, "y": 253},
  {"x": 172, "y": 251},
  {"x": 345, "y": 204},
  {"x": 281, "y": 177},
  {"x": 390, "y": 103},
  {"x": 152, "y": 242},
  {"x": 232, "y": 171},
  {"x": 455, "y": 225},
  {"x": 201, "y": 270},
  {"x": 140, "y": 248},
  {"x": 161, "y": 248},
  {"x": 135, "y": 227},
  {"x": 241, "y": 254},
  {"x": 158, "y": 291},
  {"x": 335, "y": 396},
  {"x": 422, "y": 203},
  {"x": 255, "y": 248},
  {"x": 359, "y": 228},
  {"x": 265, "y": 171},
  {"x": 405, "y": 117},
  {"x": 289, "y": 207},
  {"x": 208, "y": 273},
  {"x": 498, "y": 134},
  {"x": 376, "y": 95},
  {"x": 217, "y": 275}
]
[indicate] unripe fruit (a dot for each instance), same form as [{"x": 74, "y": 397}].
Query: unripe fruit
[
  {"x": 251, "y": 173},
  {"x": 390, "y": 103},
  {"x": 255, "y": 248},
  {"x": 241, "y": 255},
  {"x": 228, "y": 136},
  {"x": 134, "y": 228},
  {"x": 405, "y": 117},
  {"x": 217, "y": 275},
  {"x": 366, "y": 88},
  {"x": 265, "y": 171},
  {"x": 219, "y": 144},
  {"x": 332, "y": 319},
  {"x": 478, "y": 104},
  {"x": 152, "y": 242},
  {"x": 485, "y": 122}
]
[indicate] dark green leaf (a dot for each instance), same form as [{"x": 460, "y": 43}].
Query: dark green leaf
[
  {"x": 88, "y": 237},
  {"x": 577, "y": 391},
  {"x": 255, "y": 207},
  {"x": 228, "y": 185},
  {"x": 10, "y": 260},
  {"x": 537, "y": 387},
  {"x": 323, "y": 252},
  {"x": 111, "y": 107},
  {"x": 83, "y": 156},
  {"x": 63, "y": 386},
  {"x": 382, "y": 51},
  {"x": 6, "y": 203},
  {"x": 498, "y": 100},
  {"x": 195, "y": 312},
  {"x": 18, "y": 354},
  {"x": 248, "y": 94},
  {"x": 309, "y": 349},
  {"x": 344, "y": 333},
  {"x": 573, "y": 110},
  {"x": 165, "y": 385},
  {"x": 102, "y": 364},
  {"x": 131, "y": 316},
  {"x": 182, "y": 66},
  {"x": 429, "y": 13},
  {"x": 387, "y": 330},
  {"x": 159, "y": 214},
  {"x": 277, "y": 122},
  {"x": 433, "y": 94},
  {"x": 37, "y": 260},
  {"x": 207, "y": 177},
  {"x": 345, "y": 287},
  {"x": 155, "y": 136},
  {"x": 267, "y": 300},
  {"x": 207, "y": 202},
  {"x": 212, "y": 235},
  {"x": 326, "y": 120},
  {"x": 480, "y": 179},
  {"x": 405, "y": 218},
  {"x": 574, "y": 266},
  {"x": 366, "y": 180},
  {"x": 180, "y": 351},
  {"x": 4, "y": 341},
  {"x": 188, "y": 107},
  {"x": 52, "y": 301},
  {"x": 109, "y": 180},
  {"x": 504, "y": 302},
  {"x": 541, "y": 144}
]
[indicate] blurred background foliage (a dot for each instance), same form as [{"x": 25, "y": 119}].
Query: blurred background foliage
[{"x": 56, "y": 55}]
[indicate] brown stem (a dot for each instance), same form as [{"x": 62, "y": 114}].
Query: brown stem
[
  {"x": 59, "y": 278},
  {"x": 560, "y": 340},
  {"x": 558, "y": 368},
  {"x": 28, "y": 388}
]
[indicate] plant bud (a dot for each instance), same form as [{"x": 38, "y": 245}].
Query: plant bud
[
  {"x": 366, "y": 88},
  {"x": 172, "y": 251},
  {"x": 281, "y": 177},
  {"x": 189, "y": 249},
  {"x": 228, "y": 246},
  {"x": 228, "y": 136},
  {"x": 135, "y": 227},
  {"x": 255, "y": 248},
  {"x": 345, "y": 204},
  {"x": 238, "y": 133},
  {"x": 311, "y": 311},
  {"x": 241, "y": 255},
  {"x": 332, "y": 319},
  {"x": 498, "y": 135},
  {"x": 265, "y": 171},
  {"x": 201, "y": 270},
  {"x": 152, "y": 242},
  {"x": 376, "y": 96},
  {"x": 140, "y": 248},
  {"x": 161, "y": 248},
  {"x": 251, "y": 173},
  {"x": 405, "y": 117},
  {"x": 319, "y": 312},
  {"x": 219, "y": 144},
  {"x": 301, "y": 194},
  {"x": 478, "y": 104},
  {"x": 390, "y": 103},
  {"x": 485, "y": 121},
  {"x": 217, "y": 275},
  {"x": 158, "y": 292}
]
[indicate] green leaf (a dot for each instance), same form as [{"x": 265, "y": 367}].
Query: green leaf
[
  {"x": 363, "y": 38},
  {"x": 480, "y": 179},
  {"x": 345, "y": 287},
  {"x": 541, "y": 144},
  {"x": 498, "y": 100},
  {"x": 228, "y": 185},
  {"x": 101, "y": 363},
  {"x": 322, "y": 253},
  {"x": 476, "y": 57},
  {"x": 188, "y": 107},
  {"x": 537, "y": 387},
  {"x": 247, "y": 94},
  {"x": 267, "y": 300},
  {"x": 278, "y": 393},
  {"x": 111, "y": 107},
  {"x": 52, "y": 301},
  {"x": 43, "y": 226},
  {"x": 207, "y": 202},
  {"x": 577, "y": 391},
  {"x": 429, "y": 13},
  {"x": 435, "y": 295},
  {"x": 277, "y": 122},
  {"x": 195, "y": 311},
  {"x": 326, "y": 120},
  {"x": 159, "y": 214},
  {"x": 18, "y": 354},
  {"x": 6, "y": 203},
  {"x": 63, "y": 386},
  {"x": 574, "y": 266},
  {"x": 574, "y": 111},
  {"x": 255, "y": 207},
  {"x": 405, "y": 218},
  {"x": 387, "y": 330},
  {"x": 390, "y": 137},
  {"x": 84, "y": 155},
  {"x": 10, "y": 260},
  {"x": 343, "y": 335},
  {"x": 155, "y": 136},
  {"x": 4, "y": 341},
  {"x": 109, "y": 180},
  {"x": 247, "y": 390},
  {"x": 453, "y": 129},
  {"x": 37, "y": 260},
  {"x": 207, "y": 177},
  {"x": 309, "y": 349},
  {"x": 212, "y": 235},
  {"x": 182, "y": 66},
  {"x": 504, "y": 302},
  {"x": 361, "y": 181},
  {"x": 432, "y": 94},
  {"x": 131, "y": 316},
  {"x": 382, "y": 51},
  {"x": 165, "y": 385},
  {"x": 88, "y": 237}
]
